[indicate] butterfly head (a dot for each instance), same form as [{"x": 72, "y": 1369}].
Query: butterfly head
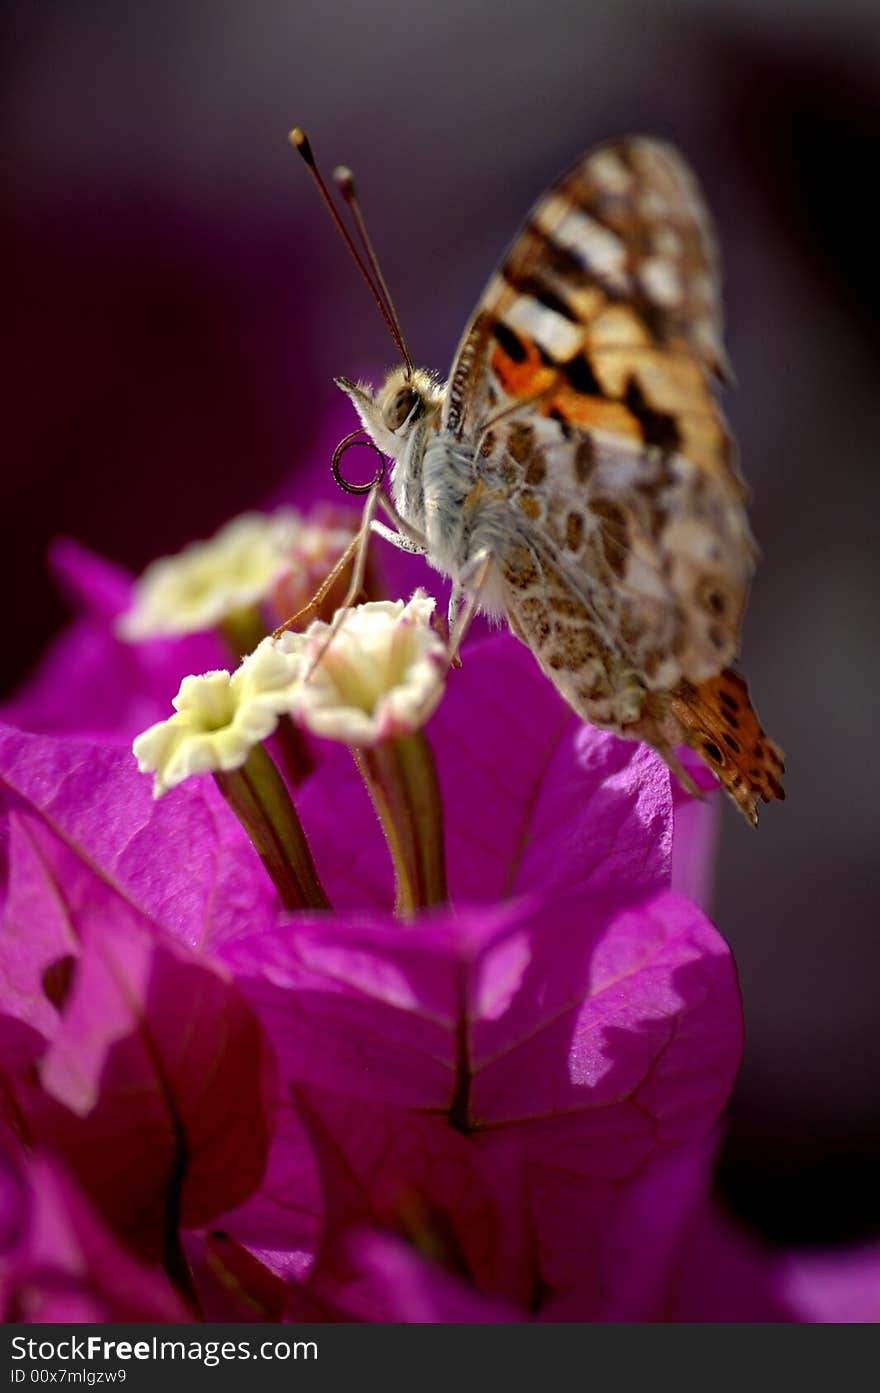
[{"x": 389, "y": 415}]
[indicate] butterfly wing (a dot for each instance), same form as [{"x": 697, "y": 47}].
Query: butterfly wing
[
  {"x": 585, "y": 380},
  {"x": 718, "y": 720}
]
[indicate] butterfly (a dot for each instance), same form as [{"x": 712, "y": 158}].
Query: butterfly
[{"x": 575, "y": 474}]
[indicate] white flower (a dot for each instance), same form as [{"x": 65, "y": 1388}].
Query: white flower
[
  {"x": 381, "y": 674},
  {"x": 317, "y": 547},
  {"x": 220, "y": 717},
  {"x": 238, "y": 567}
]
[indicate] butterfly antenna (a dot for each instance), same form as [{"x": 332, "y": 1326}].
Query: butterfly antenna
[
  {"x": 344, "y": 180},
  {"x": 300, "y": 141}
]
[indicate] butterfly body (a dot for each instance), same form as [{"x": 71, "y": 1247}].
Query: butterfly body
[{"x": 576, "y": 474}]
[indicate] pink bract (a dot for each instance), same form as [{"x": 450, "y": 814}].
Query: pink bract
[
  {"x": 505, "y": 1111},
  {"x": 63, "y": 1264}
]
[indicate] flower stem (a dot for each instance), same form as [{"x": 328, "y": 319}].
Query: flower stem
[
  {"x": 259, "y": 798},
  {"x": 401, "y": 779}
]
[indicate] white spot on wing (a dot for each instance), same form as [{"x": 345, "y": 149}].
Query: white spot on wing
[
  {"x": 597, "y": 248},
  {"x": 609, "y": 172},
  {"x": 661, "y": 281},
  {"x": 556, "y": 334}
]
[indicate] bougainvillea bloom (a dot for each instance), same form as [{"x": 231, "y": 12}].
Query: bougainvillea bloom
[
  {"x": 494, "y": 1085},
  {"x": 503, "y": 1107},
  {"x": 92, "y": 682},
  {"x": 209, "y": 580},
  {"x": 61, "y": 1263}
]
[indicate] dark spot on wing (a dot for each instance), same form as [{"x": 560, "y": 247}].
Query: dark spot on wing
[
  {"x": 556, "y": 257},
  {"x": 509, "y": 341},
  {"x": 658, "y": 427},
  {"x": 562, "y": 421},
  {"x": 521, "y": 442},
  {"x": 536, "y": 289},
  {"x": 574, "y": 531},
  {"x": 614, "y": 532},
  {"x": 584, "y": 459},
  {"x": 581, "y": 377}
]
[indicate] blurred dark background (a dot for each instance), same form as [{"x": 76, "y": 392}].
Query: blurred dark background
[{"x": 176, "y": 306}]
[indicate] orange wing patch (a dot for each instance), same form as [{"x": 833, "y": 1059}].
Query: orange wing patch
[
  {"x": 593, "y": 413},
  {"x": 525, "y": 376},
  {"x": 521, "y": 371},
  {"x": 720, "y": 723}
]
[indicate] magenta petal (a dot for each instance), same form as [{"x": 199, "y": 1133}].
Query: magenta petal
[
  {"x": 349, "y": 850},
  {"x": 282, "y": 1220},
  {"x": 634, "y": 1054},
  {"x": 21, "y": 1049},
  {"x": 356, "y": 1004},
  {"x": 568, "y": 1006},
  {"x": 638, "y": 1004},
  {"x": 14, "y": 1200},
  {"x": 567, "y": 1045},
  {"x": 91, "y": 683},
  {"x": 182, "y": 861},
  {"x": 410, "y": 1173},
  {"x": 93, "y": 584},
  {"x": 88, "y": 685},
  {"x": 380, "y": 1278},
  {"x": 533, "y": 798},
  {"x": 696, "y": 829},
  {"x": 165, "y": 1080},
  {"x": 233, "y": 1284},
  {"x": 839, "y": 1287},
  {"x": 536, "y": 799},
  {"x": 157, "y": 1086},
  {"x": 724, "y": 1273},
  {"x": 35, "y": 928},
  {"x": 63, "y": 1264},
  {"x": 634, "y": 1253}
]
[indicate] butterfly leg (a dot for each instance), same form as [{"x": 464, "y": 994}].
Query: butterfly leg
[
  {"x": 355, "y": 554},
  {"x": 470, "y": 587},
  {"x": 397, "y": 539},
  {"x": 405, "y": 539},
  {"x": 361, "y": 543},
  {"x": 453, "y": 609},
  {"x": 446, "y": 627},
  {"x": 405, "y": 536},
  {"x": 314, "y": 604}
]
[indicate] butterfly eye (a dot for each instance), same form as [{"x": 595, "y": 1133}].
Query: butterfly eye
[{"x": 398, "y": 408}]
